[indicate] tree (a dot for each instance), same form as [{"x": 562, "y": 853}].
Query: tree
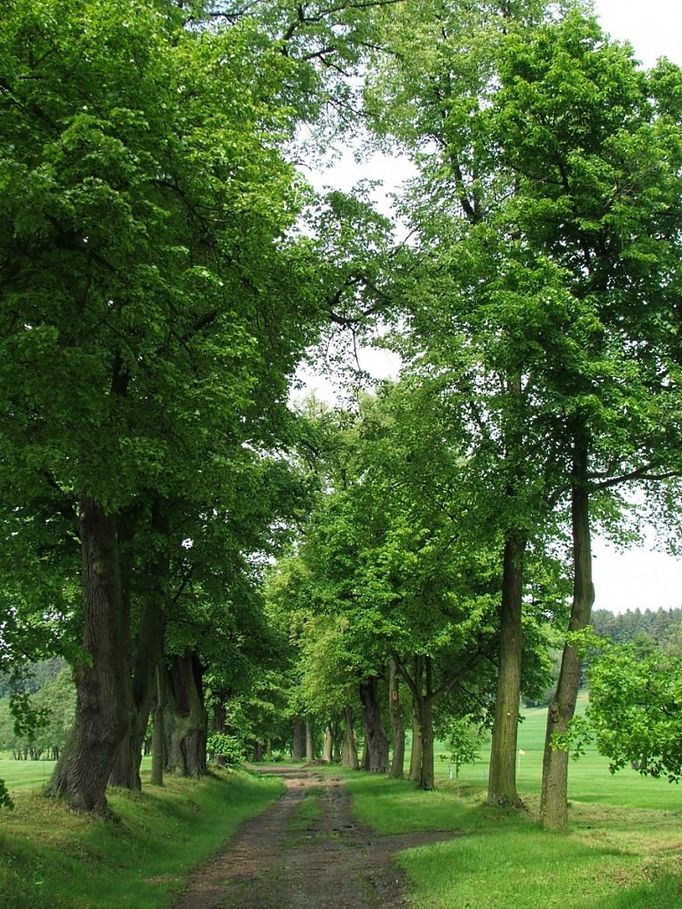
[
  {"x": 594, "y": 142},
  {"x": 140, "y": 251}
]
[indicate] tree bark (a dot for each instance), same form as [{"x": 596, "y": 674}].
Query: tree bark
[
  {"x": 349, "y": 749},
  {"x": 309, "y": 744},
  {"x": 416, "y": 749},
  {"x": 554, "y": 797},
  {"x": 328, "y": 745},
  {"x": 397, "y": 727},
  {"x": 502, "y": 772},
  {"x": 298, "y": 747},
  {"x": 375, "y": 740},
  {"x": 158, "y": 738},
  {"x": 186, "y": 716},
  {"x": 103, "y": 683},
  {"x": 148, "y": 654}
]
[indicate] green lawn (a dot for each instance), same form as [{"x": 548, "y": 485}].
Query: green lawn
[
  {"x": 611, "y": 858},
  {"x": 589, "y": 777}
]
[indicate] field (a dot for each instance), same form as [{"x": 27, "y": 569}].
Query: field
[{"x": 589, "y": 776}]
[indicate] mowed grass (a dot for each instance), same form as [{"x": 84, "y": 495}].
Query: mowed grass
[
  {"x": 589, "y": 779},
  {"x": 55, "y": 858},
  {"x": 611, "y": 858},
  {"x": 623, "y": 849}
]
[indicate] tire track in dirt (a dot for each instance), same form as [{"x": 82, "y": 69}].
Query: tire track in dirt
[{"x": 276, "y": 862}]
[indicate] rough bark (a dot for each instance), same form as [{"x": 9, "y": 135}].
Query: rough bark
[
  {"x": 349, "y": 749},
  {"x": 426, "y": 769},
  {"x": 502, "y": 771},
  {"x": 148, "y": 652},
  {"x": 397, "y": 726},
  {"x": 375, "y": 739},
  {"x": 554, "y": 797},
  {"x": 158, "y": 737},
  {"x": 186, "y": 717},
  {"x": 103, "y": 682},
  {"x": 298, "y": 746}
]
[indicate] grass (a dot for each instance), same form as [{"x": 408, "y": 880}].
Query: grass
[
  {"x": 306, "y": 812},
  {"x": 589, "y": 778},
  {"x": 612, "y": 858},
  {"x": 55, "y": 858}
]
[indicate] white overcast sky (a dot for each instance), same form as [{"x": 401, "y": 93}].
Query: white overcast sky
[{"x": 640, "y": 577}]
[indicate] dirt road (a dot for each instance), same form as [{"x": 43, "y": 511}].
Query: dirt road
[{"x": 305, "y": 852}]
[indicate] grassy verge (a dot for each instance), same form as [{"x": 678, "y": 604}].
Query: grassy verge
[
  {"x": 54, "y": 858},
  {"x": 612, "y": 858}
]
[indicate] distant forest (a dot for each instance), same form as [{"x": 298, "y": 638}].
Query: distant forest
[{"x": 663, "y": 625}]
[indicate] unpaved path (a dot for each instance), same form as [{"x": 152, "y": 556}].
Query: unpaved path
[{"x": 280, "y": 860}]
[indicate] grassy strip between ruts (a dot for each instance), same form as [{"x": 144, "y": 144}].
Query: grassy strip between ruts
[
  {"x": 55, "y": 858},
  {"x": 612, "y": 857}
]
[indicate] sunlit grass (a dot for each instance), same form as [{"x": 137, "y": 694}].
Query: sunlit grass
[{"x": 611, "y": 858}]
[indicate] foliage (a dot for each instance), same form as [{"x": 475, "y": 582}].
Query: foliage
[
  {"x": 228, "y": 747},
  {"x": 635, "y": 710},
  {"x": 463, "y": 738}
]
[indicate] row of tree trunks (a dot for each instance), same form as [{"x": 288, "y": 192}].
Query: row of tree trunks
[{"x": 148, "y": 655}]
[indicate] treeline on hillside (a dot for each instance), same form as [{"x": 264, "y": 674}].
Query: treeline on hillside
[
  {"x": 662, "y": 625},
  {"x": 254, "y": 578}
]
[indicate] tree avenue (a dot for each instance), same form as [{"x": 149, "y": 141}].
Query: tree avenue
[{"x": 258, "y": 579}]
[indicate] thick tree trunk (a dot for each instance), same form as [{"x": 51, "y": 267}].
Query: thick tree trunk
[
  {"x": 309, "y": 743},
  {"x": 186, "y": 716},
  {"x": 554, "y": 797},
  {"x": 502, "y": 773},
  {"x": 298, "y": 747},
  {"x": 158, "y": 737},
  {"x": 397, "y": 727},
  {"x": 426, "y": 769},
  {"x": 349, "y": 748},
  {"x": 375, "y": 740},
  {"x": 103, "y": 682}
]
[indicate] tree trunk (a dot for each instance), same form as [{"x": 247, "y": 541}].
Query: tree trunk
[
  {"x": 220, "y": 726},
  {"x": 375, "y": 740},
  {"x": 158, "y": 738},
  {"x": 148, "y": 654},
  {"x": 309, "y": 744},
  {"x": 426, "y": 768},
  {"x": 502, "y": 773},
  {"x": 103, "y": 682},
  {"x": 397, "y": 727},
  {"x": 327, "y": 746},
  {"x": 298, "y": 748},
  {"x": 349, "y": 749},
  {"x": 416, "y": 750},
  {"x": 187, "y": 732},
  {"x": 554, "y": 798}
]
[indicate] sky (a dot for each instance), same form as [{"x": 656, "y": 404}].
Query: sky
[{"x": 642, "y": 576}]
